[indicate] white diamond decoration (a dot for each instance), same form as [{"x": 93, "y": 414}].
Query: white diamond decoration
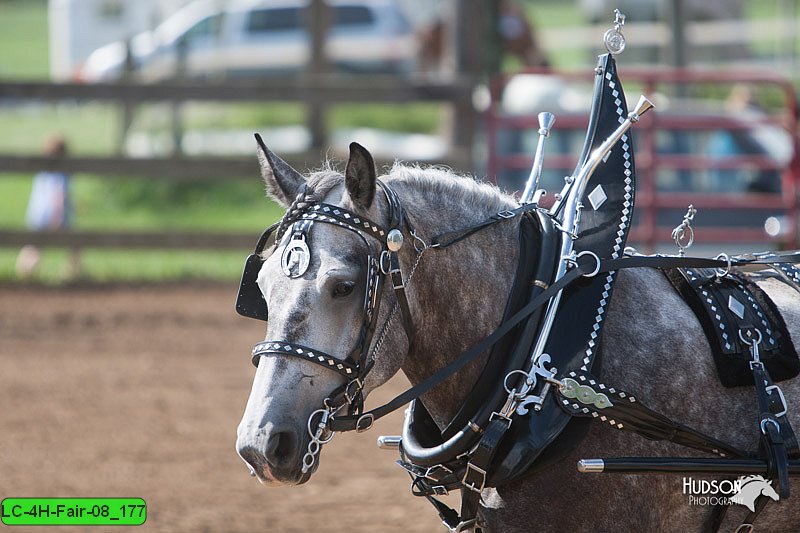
[
  {"x": 597, "y": 197},
  {"x": 736, "y": 306}
]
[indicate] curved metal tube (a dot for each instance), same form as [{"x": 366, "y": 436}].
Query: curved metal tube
[{"x": 546, "y": 121}]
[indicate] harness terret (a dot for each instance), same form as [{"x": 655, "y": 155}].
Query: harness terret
[{"x": 540, "y": 384}]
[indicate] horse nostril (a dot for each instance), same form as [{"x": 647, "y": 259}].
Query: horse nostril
[
  {"x": 254, "y": 459},
  {"x": 281, "y": 447}
]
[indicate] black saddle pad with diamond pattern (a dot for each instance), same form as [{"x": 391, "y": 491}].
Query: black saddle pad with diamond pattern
[{"x": 724, "y": 305}]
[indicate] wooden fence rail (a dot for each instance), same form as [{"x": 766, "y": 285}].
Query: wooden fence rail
[
  {"x": 306, "y": 88},
  {"x": 173, "y": 240},
  {"x": 187, "y": 168},
  {"x": 326, "y": 89},
  {"x": 316, "y": 87},
  {"x": 330, "y": 88}
]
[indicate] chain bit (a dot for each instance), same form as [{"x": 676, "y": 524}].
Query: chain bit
[{"x": 317, "y": 437}]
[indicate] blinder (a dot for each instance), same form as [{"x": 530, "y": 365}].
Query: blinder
[{"x": 250, "y": 302}]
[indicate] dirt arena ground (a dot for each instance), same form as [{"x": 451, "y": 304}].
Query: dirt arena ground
[{"x": 137, "y": 392}]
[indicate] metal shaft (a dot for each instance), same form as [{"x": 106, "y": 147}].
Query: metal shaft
[
  {"x": 546, "y": 121},
  {"x": 389, "y": 442},
  {"x": 679, "y": 465}
]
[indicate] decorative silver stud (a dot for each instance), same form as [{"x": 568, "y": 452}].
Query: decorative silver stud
[
  {"x": 295, "y": 258},
  {"x": 597, "y": 197},
  {"x": 613, "y": 38},
  {"x": 736, "y": 306},
  {"x": 394, "y": 241}
]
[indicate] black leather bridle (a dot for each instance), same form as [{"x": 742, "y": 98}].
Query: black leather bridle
[{"x": 295, "y": 226}]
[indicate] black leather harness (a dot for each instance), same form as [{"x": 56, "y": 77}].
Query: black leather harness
[
  {"x": 580, "y": 394},
  {"x": 489, "y": 443}
]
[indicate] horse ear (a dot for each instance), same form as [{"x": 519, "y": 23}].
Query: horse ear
[
  {"x": 283, "y": 182},
  {"x": 360, "y": 176}
]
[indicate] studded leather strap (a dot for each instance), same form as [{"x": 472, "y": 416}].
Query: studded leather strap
[{"x": 345, "y": 368}]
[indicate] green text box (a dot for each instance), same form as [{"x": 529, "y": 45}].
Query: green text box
[{"x": 73, "y": 511}]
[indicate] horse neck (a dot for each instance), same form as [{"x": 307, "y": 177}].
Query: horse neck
[{"x": 458, "y": 294}]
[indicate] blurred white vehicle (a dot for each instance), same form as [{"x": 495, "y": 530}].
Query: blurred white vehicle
[{"x": 249, "y": 38}]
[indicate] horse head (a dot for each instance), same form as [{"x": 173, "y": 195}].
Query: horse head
[
  {"x": 315, "y": 293},
  {"x": 768, "y": 490}
]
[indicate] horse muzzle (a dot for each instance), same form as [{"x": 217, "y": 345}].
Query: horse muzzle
[{"x": 274, "y": 457}]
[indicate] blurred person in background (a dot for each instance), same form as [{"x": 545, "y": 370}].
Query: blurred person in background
[{"x": 49, "y": 208}]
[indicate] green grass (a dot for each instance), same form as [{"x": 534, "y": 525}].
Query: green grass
[
  {"x": 237, "y": 207},
  {"x": 90, "y": 129},
  {"x": 128, "y": 266},
  {"x": 23, "y": 39},
  {"x": 104, "y": 203},
  {"x": 408, "y": 118}
]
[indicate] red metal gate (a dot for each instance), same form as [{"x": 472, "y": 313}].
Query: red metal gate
[{"x": 730, "y": 216}]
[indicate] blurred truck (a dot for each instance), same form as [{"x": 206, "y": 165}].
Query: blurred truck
[
  {"x": 79, "y": 27},
  {"x": 247, "y": 38}
]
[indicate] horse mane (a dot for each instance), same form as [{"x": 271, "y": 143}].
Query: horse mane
[
  {"x": 435, "y": 182},
  {"x": 749, "y": 479},
  {"x": 442, "y": 182}
]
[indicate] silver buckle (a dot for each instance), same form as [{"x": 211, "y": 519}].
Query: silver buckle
[
  {"x": 475, "y": 487},
  {"x": 769, "y": 421},
  {"x": 781, "y": 396},
  {"x": 440, "y": 490},
  {"x": 431, "y": 470},
  {"x": 506, "y": 214},
  {"x": 500, "y": 416},
  {"x": 352, "y": 396},
  {"x": 469, "y": 525}
]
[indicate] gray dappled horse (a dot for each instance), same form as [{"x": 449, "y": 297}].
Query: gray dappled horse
[{"x": 653, "y": 346}]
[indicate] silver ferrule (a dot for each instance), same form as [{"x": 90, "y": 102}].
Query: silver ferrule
[
  {"x": 389, "y": 442},
  {"x": 546, "y": 121},
  {"x": 591, "y": 466}
]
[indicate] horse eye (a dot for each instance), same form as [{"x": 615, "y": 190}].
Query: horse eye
[{"x": 343, "y": 288}]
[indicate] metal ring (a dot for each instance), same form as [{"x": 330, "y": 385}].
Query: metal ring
[
  {"x": 419, "y": 242},
  {"x": 324, "y": 413},
  {"x": 774, "y": 423},
  {"x": 308, "y": 462},
  {"x": 313, "y": 447},
  {"x": 370, "y": 419},
  {"x": 679, "y": 235},
  {"x": 721, "y": 273},
  {"x": 754, "y": 341},
  {"x": 528, "y": 383},
  {"x": 597, "y": 266},
  {"x": 388, "y": 266}
]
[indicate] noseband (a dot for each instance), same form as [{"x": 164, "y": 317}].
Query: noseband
[{"x": 294, "y": 229}]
